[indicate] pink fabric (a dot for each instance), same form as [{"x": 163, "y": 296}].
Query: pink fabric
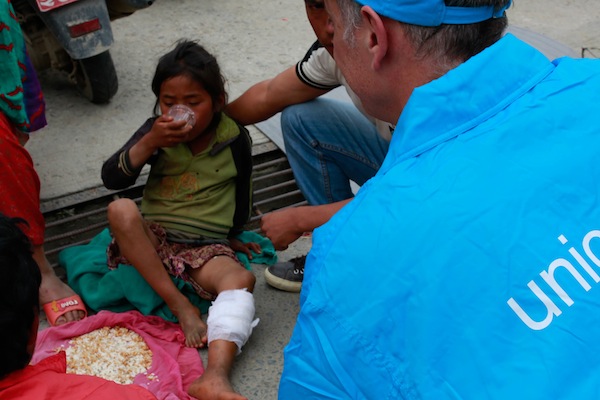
[{"x": 175, "y": 365}]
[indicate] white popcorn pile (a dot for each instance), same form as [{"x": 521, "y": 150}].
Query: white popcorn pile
[{"x": 117, "y": 354}]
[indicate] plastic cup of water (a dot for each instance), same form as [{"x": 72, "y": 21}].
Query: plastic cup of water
[{"x": 180, "y": 112}]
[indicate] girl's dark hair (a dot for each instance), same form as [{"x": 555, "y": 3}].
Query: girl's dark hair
[
  {"x": 20, "y": 281},
  {"x": 190, "y": 59}
]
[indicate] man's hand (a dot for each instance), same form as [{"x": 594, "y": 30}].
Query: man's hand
[
  {"x": 285, "y": 226},
  {"x": 281, "y": 227}
]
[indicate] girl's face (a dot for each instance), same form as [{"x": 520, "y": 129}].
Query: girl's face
[{"x": 184, "y": 90}]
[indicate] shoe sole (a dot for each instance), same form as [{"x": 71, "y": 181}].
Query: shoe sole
[{"x": 282, "y": 284}]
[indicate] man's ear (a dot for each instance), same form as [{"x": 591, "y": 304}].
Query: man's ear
[{"x": 377, "y": 36}]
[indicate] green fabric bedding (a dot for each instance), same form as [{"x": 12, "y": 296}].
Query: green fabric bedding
[{"x": 124, "y": 289}]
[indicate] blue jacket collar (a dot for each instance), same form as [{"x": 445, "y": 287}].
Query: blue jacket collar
[{"x": 466, "y": 96}]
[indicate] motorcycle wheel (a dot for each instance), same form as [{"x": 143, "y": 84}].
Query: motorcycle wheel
[{"x": 96, "y": 77}]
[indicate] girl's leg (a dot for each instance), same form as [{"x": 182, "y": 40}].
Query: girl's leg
[
  {"x": 230, "y": 324},
  {"x": 138, "y": 244}
]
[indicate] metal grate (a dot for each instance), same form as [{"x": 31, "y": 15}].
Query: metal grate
[
  {"x": 76, "y": 219},
  {"x": 590, "y": 52}
]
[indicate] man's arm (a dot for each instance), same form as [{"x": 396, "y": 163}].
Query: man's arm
[
  {"x": 265, "y": 99},
  {"x": 283, "y": 227}
]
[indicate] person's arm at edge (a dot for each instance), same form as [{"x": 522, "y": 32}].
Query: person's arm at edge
[
  {"x": 265, "y": 99},
  {"x": 283, "y": 227},
  {"x": 312, "y": 217}
]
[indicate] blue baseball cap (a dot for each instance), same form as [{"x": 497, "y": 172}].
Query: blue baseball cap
[{"x": 432, "y": 12}]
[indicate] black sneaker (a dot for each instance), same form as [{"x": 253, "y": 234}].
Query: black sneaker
[{"x": 286, "y": 275}]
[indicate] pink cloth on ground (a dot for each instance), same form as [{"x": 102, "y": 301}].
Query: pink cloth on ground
[{"x": 175, "y": 365}]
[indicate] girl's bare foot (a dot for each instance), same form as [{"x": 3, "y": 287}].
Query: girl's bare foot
[
  {"x": 213, "y": 386},
  {"x": 192, "y": 325}
]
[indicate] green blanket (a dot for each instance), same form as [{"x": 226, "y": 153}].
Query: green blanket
[{"x": 124, "y": 289}]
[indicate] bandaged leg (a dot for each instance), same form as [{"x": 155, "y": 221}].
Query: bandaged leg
[{"x": 231, "y": 317}]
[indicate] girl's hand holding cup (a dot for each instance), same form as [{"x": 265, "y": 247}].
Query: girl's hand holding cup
[{"x": 173, "y": 127}]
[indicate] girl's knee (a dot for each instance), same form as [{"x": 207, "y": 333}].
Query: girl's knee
[
  {"x": 223, "y": 273},
  {"x": 251, "y": 280},
  {"x": 122, "y": 212},
  {"x": 244, "y": 279}
]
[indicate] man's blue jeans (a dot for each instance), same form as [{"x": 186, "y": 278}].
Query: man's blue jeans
[{"x": 328, "y": 144}]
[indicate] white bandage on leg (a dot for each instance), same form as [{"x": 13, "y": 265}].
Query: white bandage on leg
[{"x": 231, "y": 317}]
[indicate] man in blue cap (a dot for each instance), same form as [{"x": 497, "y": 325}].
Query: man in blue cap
[{"x": 467, "y": 267}]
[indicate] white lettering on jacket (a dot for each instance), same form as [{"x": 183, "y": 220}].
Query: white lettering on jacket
[{"x": 548, "y": 276}]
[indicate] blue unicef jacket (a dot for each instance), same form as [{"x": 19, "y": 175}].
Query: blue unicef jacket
[{"x": 469, "y": 266}]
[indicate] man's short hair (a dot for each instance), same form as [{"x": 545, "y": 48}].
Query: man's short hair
[
  {"x": 20, "y": 281},
  {"x": 450, "y": 42}
]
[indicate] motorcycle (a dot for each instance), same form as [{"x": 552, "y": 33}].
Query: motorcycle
[{"x": 74, "y": 36}]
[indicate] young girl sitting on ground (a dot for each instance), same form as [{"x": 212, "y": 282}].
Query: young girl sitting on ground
[{"x": 196, "y": 199}]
